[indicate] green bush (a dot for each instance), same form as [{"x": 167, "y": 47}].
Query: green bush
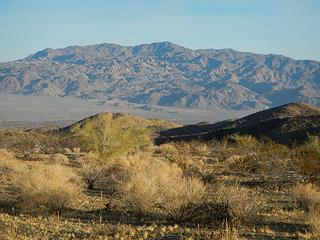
[{"x": 109, "y": 137}]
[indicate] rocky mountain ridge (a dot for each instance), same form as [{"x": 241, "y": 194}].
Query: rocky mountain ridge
[{"x": 165, "y": 74}]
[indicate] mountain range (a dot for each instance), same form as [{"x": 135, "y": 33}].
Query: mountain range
[{"x": 165, "y": 74}]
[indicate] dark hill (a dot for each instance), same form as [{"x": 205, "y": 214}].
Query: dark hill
[{"x": 286, "y": 124}]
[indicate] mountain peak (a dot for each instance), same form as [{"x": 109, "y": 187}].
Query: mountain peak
[
  {"x": 41, "y": 54},
  {"x": 159, "y": 49}
]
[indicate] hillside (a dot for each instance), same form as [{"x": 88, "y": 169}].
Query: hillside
[
  {"x": 286, "y": 124},
  {"x": 165, "y": 74}
]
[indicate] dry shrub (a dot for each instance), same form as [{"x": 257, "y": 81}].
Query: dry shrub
[
  {"x": 76, "y": 150},
  {"x": 116, "y": 174},
  {"x": 5, "y": 170},
  {"x": 92, "y": 169},
  {"x": 245, "y": 164},
  {"x": 22, "y": 141},
  {"x": 49, "y": 187},
  {"x": 243, "y": 141},
  {"x": 107, "y": 175},
  {"x": 307, "y": 196},
  {"x": 230, "y": 233},
  {"x": 178, "y": 153},
  {"x": 59, "y": 158},
  {"x": 314, "y": 221},
  {"x": 255, "y": 163},
  {"x": 67, "y": 151},
  {"x": 272, "y": 161},
  {"x": 8, "y": 167},
  {"x": 168, "y": 151},
  {"x": 189, "y": 156},
  {"x": 239, "y": 204},
  {"x": 159, "y": 187},
  {"x": 260, "y": 163},
  {"x": 5, "y": 155},
  {"x": 199, "y": 148},
  {"x": 308, "y": 158},
  {"x": 19, "y": 140}
]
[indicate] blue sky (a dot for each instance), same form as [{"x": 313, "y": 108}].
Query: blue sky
[{"x": 288, "y": 27}]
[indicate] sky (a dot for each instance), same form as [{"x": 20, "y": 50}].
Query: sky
[{"x": 287, "y": 27}]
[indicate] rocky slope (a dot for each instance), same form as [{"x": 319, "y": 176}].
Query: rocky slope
[
  {"x": 165, "y": 74},
  {"x": 287, "y": 124}
]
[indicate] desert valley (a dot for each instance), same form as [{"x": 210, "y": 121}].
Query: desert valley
[{"x": 159, "y": 120}]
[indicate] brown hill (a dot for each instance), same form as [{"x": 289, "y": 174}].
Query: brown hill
[{"x": 286, "y": 124}]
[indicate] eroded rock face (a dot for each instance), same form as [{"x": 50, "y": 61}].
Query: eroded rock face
[{"x": 165, "y": 74}]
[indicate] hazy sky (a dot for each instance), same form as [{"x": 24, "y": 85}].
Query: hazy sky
[{"x": 288, "y": 27}]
